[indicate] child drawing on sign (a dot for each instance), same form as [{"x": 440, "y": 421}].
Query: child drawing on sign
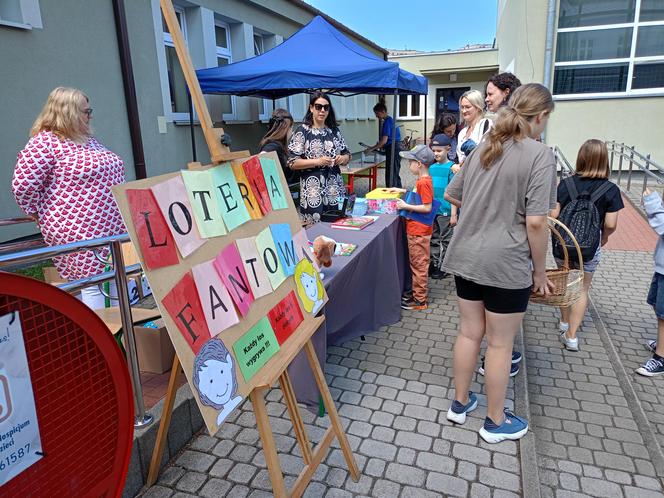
[
  {"x": 309, "y": 286},
  {"x": 214, "y": 378}
]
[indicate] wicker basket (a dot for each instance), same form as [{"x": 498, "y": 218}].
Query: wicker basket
[{"x": 568, "y": 283}]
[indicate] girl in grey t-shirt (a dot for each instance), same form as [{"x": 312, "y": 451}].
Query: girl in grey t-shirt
[{"x": 507, "y": 187}]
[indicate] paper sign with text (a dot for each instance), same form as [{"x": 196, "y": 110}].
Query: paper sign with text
[
  {"x": 254, "y": 172},
  {"x": 215, "y": 300},
  {"x": 273, "y": 183},
  {"x": 285, "y": 317},
  {"x": 283, "y": 241},
  {"x": 154, "y": 237},
  {"x": 20, "y": 443},
  {"x": 231, "y": 270},
  {"x": 183, "y": 305},
  {"x": 203, "y": 200},
  {"x": 268, "y": 251},
  {"x": 250, "y": 201},
  {"x": 229, "y": 198},
  {"x": 253, "y": 267},
  {"x": 173, "y": 201},
  {"x": 255, "y": 348}
]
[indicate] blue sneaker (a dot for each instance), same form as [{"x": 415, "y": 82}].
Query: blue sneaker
[
  {"x": 457, "y": 412},
  {"x": 516, "y": 357},
  {"x": 513, "y": 428},
  {"x": 514, "y": 368}
]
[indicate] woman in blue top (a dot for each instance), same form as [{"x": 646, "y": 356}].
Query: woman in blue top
[{"x": 392, "y": 164}]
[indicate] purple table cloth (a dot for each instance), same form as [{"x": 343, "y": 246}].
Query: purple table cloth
[{"x": 364, "y": 291}]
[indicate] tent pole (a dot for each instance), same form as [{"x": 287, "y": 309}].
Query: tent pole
[
  {"x": 274, "y": 104},
  {"x": 394, "y": 142},
  {"x": 425, "y": 119},
  {"x": 191, "y": 128}
]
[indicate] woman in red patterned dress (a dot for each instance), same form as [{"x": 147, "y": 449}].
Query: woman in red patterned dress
[{"x": 63, "y": 179}]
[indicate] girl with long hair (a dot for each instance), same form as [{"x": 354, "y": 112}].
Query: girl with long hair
[
  {"x": 507, "y": 188},
  {"x": 276, "y": 140}
]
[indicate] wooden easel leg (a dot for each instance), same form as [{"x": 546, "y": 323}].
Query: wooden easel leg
[
  {"x": 269, "y": 446},
  {"x": 332, "y": 411},
  {"x": 164, "y": 423},
  {"x": 296, "y": 418}
]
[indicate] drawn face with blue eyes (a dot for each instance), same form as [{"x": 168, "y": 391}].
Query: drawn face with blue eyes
[{"x": 216, "y": 380}]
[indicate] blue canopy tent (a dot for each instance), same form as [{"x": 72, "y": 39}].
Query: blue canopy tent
[{"x": 318, "y": 56}]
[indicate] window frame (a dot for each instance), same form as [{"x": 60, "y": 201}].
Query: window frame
[
  {"x": 632, "y": 60},
  {"x": 409, "y": 108},
  {"x": 30, "y": 16},
  {"x": 167, "y": 41},
  {"x": 225, "y": 53}
]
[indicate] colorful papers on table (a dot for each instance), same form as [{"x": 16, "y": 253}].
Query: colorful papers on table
[{"x": 358, "y": 223}]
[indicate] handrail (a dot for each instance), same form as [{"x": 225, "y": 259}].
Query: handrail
[
  {"x": 119, "y": 274},
  {"x": 643, "y": 163},
  {"x": 15, "y": 221},
  {"x": 562, "y": 164}
]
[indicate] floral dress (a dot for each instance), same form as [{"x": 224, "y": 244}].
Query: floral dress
[
  {"x": 68, "y": 185},
  {"x": 321, "y": 188}
]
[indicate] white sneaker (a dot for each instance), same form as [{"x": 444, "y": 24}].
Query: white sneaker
[{"x": 569, "y": 344}]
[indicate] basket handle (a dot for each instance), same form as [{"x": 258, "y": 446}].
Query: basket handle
[
  {"x": 555, "y": 232},
  {"x": 555, "y": 222}
]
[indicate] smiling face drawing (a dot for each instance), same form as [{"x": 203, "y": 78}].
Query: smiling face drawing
[
  {"x": 309, "y": 286},
  {"x": 216, "y": 380},
  {"x": 214, "y": 374}
]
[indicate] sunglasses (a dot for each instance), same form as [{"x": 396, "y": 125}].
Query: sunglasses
[
  {"x": 322, "y": 107},
  {"x": 88, "y": 112}
]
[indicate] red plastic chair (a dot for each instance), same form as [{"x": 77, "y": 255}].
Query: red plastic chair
[{"x": 82, "y": 391}]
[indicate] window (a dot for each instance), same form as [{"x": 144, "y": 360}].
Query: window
[
  {"x": 609, "y": 47},
  {"x": 298, "y": 105},
  {"x": 24, "y": 14},
  {"x": 410, "y": 106},
  {"x": 222, "y": 34},
  {"x": 350, "y": 106},
  {"x": 372, "y": 100},
  {"x": 177, "y": 85},
  {"x": 258, "y": 45}
]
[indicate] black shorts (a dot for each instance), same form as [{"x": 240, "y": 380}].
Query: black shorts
[{"x": 495, "y": 299}]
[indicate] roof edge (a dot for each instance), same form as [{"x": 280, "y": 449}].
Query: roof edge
[
  {"x": 445, "y": 52},
  {"x": 310, "y": 8}
]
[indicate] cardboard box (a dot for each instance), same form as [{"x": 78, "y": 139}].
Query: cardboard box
[
  {"x": 155, "y": 350},
  {"x": 51, "y": 276}
]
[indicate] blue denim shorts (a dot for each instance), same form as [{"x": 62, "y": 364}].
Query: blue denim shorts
[
  {"x": 588, "y": 266},
  {"x": 656, "y": 294}
]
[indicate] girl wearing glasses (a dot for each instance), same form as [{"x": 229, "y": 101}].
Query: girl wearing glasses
[
  {"x": 318, "y": 149},
  {"x": 63, "y": 180}
]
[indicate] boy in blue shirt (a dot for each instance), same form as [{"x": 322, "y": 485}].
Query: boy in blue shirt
[{"x": 441, "y": 173}]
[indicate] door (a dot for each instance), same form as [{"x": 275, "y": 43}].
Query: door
[{"x": 447, "y": 100}]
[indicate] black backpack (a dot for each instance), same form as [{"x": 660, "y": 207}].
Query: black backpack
[{"x": 582, "y": 217}]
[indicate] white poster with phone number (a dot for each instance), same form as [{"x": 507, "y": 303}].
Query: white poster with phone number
[{"x": 20, "y": 444}]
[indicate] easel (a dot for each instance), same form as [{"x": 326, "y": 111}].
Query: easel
[{"x": 312, "y": 459}]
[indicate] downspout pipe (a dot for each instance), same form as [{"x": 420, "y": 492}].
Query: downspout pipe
[
  {"x": 129, "y": 86},
  {"x": 548, "y": 46}
]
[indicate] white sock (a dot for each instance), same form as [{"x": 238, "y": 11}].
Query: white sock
[{"x": 563, "y": 326}]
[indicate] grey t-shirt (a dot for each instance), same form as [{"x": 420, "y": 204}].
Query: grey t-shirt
[{"x": 490, "y": 243}]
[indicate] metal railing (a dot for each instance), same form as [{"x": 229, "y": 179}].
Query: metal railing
[
  {"x": 634, "y": 162},
  {"x": 119, "y": 274},
  {"x": 563, "y": 167}
]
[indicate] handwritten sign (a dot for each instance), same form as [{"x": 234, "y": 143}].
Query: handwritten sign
[
  {"x": 285, "y": 317},
  {"x": 254, "y": 172},
  {"x": 268, "y": 251},
  {"x": 203, "y": 200},
  {"x": 215, "y": 300},
  {"x": 255, "y": 348},
  {"x": 20, "y": 443},
  {"x": 273, "y": 183},
  {"x": 229, "y": 197}
]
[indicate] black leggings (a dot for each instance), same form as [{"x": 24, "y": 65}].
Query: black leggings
[{"x": 495, "y": 299}]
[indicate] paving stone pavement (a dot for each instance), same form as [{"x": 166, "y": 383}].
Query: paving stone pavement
[{"x": 392, "y": 392}]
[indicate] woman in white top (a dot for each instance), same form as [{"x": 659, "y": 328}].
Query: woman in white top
[{"x": 471, "y": 106}]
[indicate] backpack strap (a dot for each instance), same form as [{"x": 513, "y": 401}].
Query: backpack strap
[
  {"x": 571, "y": 188},
  {"x": 600, "y": 191}
]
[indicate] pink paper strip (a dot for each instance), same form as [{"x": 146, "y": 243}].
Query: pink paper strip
[
  {"x": 231, "y": 270},
  {"x": 217, "y": 304},
  {"x": 173, "y": 201}
]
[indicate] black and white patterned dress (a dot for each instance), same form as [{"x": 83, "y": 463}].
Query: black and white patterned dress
[{"x": 321, "y": 188}]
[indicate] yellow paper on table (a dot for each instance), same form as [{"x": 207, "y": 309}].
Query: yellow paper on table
[{"x": 382, "y": 193}]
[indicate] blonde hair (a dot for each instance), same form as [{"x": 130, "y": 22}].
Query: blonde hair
[
  {"x": 61, "y": 114},
  {"x": 593, "y": 160},
  {"x": 306, "y": 267},
  {"x": 513, "y": 120},
  {"x": 475, "y": 98}
]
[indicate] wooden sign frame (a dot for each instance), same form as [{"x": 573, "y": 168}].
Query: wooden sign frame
[{"x": 163, "y": 279}]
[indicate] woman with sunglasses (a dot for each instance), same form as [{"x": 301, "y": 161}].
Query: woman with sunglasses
[
  {"x": 63, "y": 179},
  {"x": 318, "y": 149}
]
